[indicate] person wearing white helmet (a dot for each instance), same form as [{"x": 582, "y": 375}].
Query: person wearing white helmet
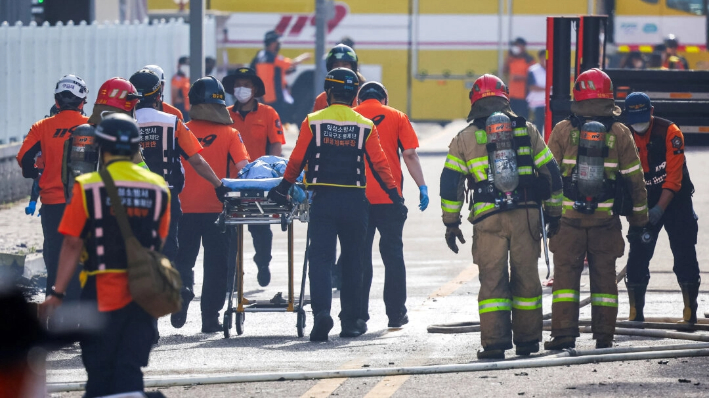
[
  {"x": 162, "y": 105},
  {"x": 48, "y": 136}
]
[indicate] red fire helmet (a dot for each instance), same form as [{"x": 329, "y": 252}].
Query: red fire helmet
[
  {"x": 593, "y": 83},
  {"x": 118, "y": 93},
  {"x": 487, "y": 86}
]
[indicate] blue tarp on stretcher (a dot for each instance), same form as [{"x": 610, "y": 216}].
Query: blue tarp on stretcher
[{"x": 264, "y": 173}]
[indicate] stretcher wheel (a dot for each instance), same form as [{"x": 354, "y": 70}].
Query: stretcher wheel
[
  {"x": 300, "y": 324},
  {"x": 284, "y": 223},
  {"x": 227, "y": 323},
  {"x": 240, "y": 323}
]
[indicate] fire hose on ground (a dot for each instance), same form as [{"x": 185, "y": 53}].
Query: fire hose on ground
[{"x": 571, "y": 357}]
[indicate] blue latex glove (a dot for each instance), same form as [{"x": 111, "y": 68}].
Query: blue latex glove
[
  {"x": 423, "y": 197},
  {"x": 29, "y": 210},
  {"x": 655, "y": 214}
]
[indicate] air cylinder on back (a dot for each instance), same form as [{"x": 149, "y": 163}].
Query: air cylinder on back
[
  {"x": 503, "y": 159},
  {"x": 590, "y": 160}
]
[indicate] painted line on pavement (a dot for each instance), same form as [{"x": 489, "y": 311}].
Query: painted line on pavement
[
  {"x": 325, "y": 387},
  {"x": 391, "y": 384}
]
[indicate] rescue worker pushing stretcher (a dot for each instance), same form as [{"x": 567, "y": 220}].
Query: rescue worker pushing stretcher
[
  {"x": 669, "y": 197},
  {"x": 510, "y": 171},
  {"x": 598, "y": 160},
  {"x": 333, "y": 146}
]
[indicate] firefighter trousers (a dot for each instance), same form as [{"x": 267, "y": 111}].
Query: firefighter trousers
[
  {"x": 602, "y": 243},
  {"x": 516, "y": 292},
  {"x": 680, "y": 223}
]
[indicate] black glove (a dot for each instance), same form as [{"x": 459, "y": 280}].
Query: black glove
[
  {"x": 279, "y": 194},
  {"x": 639, "y": 234},
  {"x": 221, "y": 192},
  {"x": 553, "y": 225},
  {"x": 401, "y": 211},
  {"x": 453, "y": 233},
  {"x": 541, "y": 188}
]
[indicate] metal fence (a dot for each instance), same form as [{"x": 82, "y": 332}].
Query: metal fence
[{"x": 33, "y": 58}]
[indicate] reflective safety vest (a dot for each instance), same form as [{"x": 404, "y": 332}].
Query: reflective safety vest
[
  {"x": 145, "y": 198},
  {"x": 336, "y": 154},
  {"x": 158, "y": 139}
]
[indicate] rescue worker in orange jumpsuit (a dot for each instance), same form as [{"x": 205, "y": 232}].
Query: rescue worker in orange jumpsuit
[
  {"x": 48, "y": 136},
  {"x": 340, "y": 56},
  {"x": 496, "y": 149},
  {"x": 595, "y": 152},
  {"x": 181, "y": 87},
  {"x": 515, "y": 68},
  {"x": 669, "y": 198},
  {"x": 225, "y": 152},
  {"x": 164, "y": 106},
  {"x": 166, "y": 139},
  {"x": 333, "y": 146},
  {"x": 272, "y": 68},
  {"x": 114, "y": 355},
  {"x": 261, "y": 129},
  {"x": 397, "y": 138}
]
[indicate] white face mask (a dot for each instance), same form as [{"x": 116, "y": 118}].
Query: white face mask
[
  {"x": 640, "y": 127},
  {"x": 185, "y": 69},
  {"x": 516, "y": 50},
  {"x": 242, "y": 94}
]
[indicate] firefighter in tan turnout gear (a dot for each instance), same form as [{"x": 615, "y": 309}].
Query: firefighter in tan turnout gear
[
  {"x": 599, "y": 167},
  {"x": 509, "y": 171}
]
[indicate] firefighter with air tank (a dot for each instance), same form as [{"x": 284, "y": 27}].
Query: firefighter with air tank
[
  {"x": 600, "y": 168},
  {"x": 510, "y": 171}
]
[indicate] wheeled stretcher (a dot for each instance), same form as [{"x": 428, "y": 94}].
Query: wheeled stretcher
[{"x": 247, "y": 204}]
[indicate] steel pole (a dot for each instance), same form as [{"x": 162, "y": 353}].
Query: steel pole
[
  {"x": 320, "y": 19},
  {"x": 196, "y": 39}
]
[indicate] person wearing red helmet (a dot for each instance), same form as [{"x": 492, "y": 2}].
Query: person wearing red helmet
[
  {"x": 116, "y": 95},
  {"x": 510, "y": 171},
  {"x": 602, "y": 176}
]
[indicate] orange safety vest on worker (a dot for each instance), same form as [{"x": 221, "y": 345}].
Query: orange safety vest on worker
[
  {"x": 272, "y": 68},
  {"x": 336, "y": 151},
  {"x": 182, "y": 84},
  {"x": 395, "y": 133},
  {"x": 518, "y": 72},
  {"x": 259, "y": 129},
  {"x": 223, "y": 149},
  {"x": 89, "y": 215},
  {"x": 167, "y": 108},
  {"x": 48, "y": 136}
]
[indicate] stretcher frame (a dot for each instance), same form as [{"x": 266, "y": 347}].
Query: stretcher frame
[{"x": 251, "y": 207}]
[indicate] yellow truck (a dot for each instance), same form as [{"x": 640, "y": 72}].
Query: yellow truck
[{"x": 426, "y": 52}]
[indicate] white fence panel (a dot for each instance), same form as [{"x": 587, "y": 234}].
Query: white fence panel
[{"x": 33, "y": 58}]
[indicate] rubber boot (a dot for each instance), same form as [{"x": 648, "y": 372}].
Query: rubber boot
[
  {"x": 604, "y": 342},
  {"x": 560, "y": 343},
  {"x": 526, "y": 349},
  {"x": 636, "y": 296},
  {"x": 491, "y": 354},
  {"x": 690, "y": 291}
]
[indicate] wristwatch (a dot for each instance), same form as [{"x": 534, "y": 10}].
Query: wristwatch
[{"x": 55, "y": 293}]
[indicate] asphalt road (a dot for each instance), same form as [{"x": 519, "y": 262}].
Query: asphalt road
[{"x": 442, "y": 288}]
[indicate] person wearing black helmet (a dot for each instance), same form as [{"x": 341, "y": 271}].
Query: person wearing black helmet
[
  {"x": 398, "y": 140},
  {"x": 340, "y": 56},
  {"x": 260, "y": 128},
  {"x": 113, "y": 357},
  {"x": 671, "y": 59},
  {"x": 164, "y": 106},
  {"x": 165, "y": 139},
  {"x": 48, "y": 137},
  {"x": 334, "y": 144},
  {"x": 272, "y": 68},
  {"x": 223, "y": 149}
]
